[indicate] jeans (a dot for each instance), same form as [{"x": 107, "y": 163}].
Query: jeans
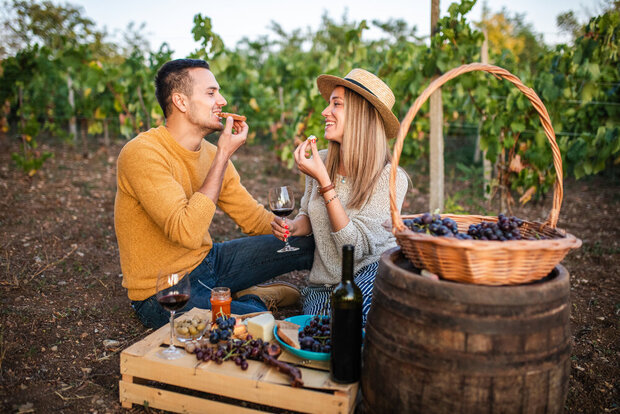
[{"x": 237, "y": 264}]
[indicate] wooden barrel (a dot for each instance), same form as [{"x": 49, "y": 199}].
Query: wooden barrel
[{"x": 448, "y": 347}]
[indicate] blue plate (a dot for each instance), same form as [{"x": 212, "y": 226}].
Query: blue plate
[{"x": 300, "y": 320}]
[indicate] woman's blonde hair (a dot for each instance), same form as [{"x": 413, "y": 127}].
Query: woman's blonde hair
[{"x": 365, "y": 150}]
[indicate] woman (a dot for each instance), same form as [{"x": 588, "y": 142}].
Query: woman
[{"x": 346, "y": 199}]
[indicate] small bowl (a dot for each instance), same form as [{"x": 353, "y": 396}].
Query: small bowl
[
  {"x": 190, "y": 329},
  {"x": 301, "y": 320}
]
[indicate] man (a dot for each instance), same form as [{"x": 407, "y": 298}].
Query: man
[{"x": 169, "y": 183}]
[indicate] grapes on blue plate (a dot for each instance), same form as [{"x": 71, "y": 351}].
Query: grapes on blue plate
[{"x": 315, "y": 336}]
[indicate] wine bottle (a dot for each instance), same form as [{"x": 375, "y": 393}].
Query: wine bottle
[{"x": 346, "y": 329}]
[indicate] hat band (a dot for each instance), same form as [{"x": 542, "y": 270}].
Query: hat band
[{"x": 360, "y": 85}]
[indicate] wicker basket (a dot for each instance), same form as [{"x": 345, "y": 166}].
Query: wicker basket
[{"x": 479, "y": 261}]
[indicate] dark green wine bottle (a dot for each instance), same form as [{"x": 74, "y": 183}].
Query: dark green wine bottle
[{"x": 346, "y": 329}]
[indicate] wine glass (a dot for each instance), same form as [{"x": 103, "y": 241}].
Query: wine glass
[
  {"x": 173, "y": 292},
  {"x": 282, "y": 203}
]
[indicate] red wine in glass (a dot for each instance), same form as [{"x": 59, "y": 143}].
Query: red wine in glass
[
  {"x": 174, "y": 302},
  {"x": 282, "y": 212},
  {"x": 282, "y": 203},
  {"x": 173, "y": 293}
]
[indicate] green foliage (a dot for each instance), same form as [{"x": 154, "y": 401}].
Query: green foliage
[
  {"x": 31, "y": 159},
  {"x": 272, "y": 79}
]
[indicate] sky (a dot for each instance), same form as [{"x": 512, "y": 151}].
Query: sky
[{"x": 172, "y": 21}]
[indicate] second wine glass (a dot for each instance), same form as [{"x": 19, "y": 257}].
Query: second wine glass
[
  {"x": 173, "y": 293},
  {"x": 282, "y": 203}
]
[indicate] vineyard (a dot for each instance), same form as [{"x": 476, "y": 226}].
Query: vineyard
[
  {"x": 70, "y": 98},
  {"x": 66, "y": 83}
]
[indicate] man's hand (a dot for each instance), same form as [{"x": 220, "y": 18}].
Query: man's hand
[
  {"x": 229, "y": 142},
  {"x": 226, "y": 147}
]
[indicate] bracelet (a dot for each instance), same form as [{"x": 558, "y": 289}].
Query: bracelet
[
  {"x": 331, "y": 199},
  {"x": 323, "y": 190}
]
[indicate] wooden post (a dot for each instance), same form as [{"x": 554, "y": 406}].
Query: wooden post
[
  {"x": 436, "y": 136},
  {"x": 73, "y": 119},
  {"x": 484, "y": 57}
]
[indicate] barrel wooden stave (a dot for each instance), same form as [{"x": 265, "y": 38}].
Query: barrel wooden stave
[{"x": 445, "y": 347}]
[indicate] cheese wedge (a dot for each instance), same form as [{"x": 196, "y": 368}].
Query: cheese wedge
[{"x": 261, "y": 326}]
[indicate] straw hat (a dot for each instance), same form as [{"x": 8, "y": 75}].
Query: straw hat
[{"x": 370, "y": 87}]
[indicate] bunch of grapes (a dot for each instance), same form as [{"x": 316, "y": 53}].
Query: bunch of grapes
[
  {"x": 434, "y": 225},
  {"x": 315, "y": 336},
  {"x": 224, "y": 329},
  {"x": 236, "y": 350},
  {"x": 506, "y": 228}
]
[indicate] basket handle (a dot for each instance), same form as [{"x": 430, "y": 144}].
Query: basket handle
[{"x": 558, "y": 192}]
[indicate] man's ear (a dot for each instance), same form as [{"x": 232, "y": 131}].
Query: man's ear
[{"x": 178, "y": 100}]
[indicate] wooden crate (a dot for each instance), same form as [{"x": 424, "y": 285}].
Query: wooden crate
[{"x": 146, "y": 380}]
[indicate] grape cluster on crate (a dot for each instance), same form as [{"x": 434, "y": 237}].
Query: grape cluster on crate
[
  {"x": 224, "y": 329},
  {"x": 241, "y": 350},
  {"x": 504, "y": 229},
  {"x": 315, "y": 336},
  {"x": 236, "y": 350}
]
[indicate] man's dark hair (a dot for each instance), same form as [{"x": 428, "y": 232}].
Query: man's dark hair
[{"x": 173, "y": 77}]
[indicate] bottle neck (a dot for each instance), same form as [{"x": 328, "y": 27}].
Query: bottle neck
[{"x": 347, "y": 263}]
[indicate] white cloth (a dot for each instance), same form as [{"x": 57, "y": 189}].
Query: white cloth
[{"x": 365, "y": 229}]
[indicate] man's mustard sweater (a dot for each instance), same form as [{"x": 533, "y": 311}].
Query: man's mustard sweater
[{"x": 161, "y": 220}]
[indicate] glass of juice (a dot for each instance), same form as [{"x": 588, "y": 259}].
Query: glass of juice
[{"x": 220, "y": 302}]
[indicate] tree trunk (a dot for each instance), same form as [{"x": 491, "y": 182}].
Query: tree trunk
[
  {"x": 72, "y": 120},
  {"x": 84, "y": 138},
  {"x": 436, "y": 135},
  {"x": 22, "y": 120},
  {"x": 146, "y": 113},
  {"x": 281, "y": 98},
  {"x": 106, "y": 133},
  {"x": 502, "y": 176},
  {"x": 125, "y": 109},
  {"x": 4, "y": 126}
]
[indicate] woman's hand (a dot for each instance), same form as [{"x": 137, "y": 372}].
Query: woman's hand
[
  {"x": 313, "y": 166},
  {"x": 281, "y": 229},
  {"x": 299, "y": 226}
]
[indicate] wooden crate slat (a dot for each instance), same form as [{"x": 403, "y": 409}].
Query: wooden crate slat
[
  {"x": 230, "y": 381},
  {"x": 260, "y": 383},
  {"x": 288, "y": 357},
  {"x": 303, "y": 399},
  {"x": 147, "y": 344},
  {"x": 173, "y": 401}
]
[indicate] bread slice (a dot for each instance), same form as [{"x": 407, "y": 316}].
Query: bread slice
[
  {"x": 286, "y": 324},
  {"x": 289, "y": 333},
  {"x": 289, "y": 336}
]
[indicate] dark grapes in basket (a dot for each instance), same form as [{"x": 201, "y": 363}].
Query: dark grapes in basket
[
  {"x": 315, "y": 336},
  {"x": 433, "y": 224},
  {"x": 504, "y": 229}
]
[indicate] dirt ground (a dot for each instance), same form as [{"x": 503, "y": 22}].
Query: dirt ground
[{"x": 62, "y": 300}]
